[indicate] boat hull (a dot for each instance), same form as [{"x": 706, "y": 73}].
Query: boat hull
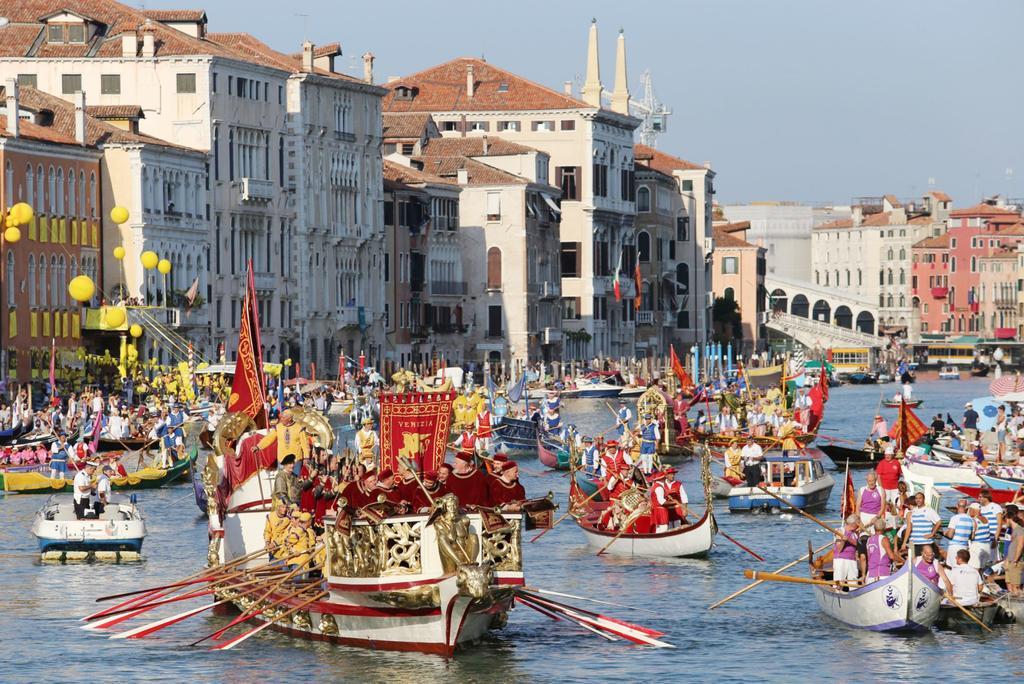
[
  {"x": 41, "y": 484},
  {"x": 57, "y": 530},
  {"x": 857, "y": 458},
  {"x": 914, "y": 403},
  {"x": 943, "y": 475},
  {"x": 810, "y": 496},
  {"x": 556, "y": 459},
  {"x": 689, "y": 541},
  {"x": 903, "y": 602},
  {"x": 1001, "y": 483}
]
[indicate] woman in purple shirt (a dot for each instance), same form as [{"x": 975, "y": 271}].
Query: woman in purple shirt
[{"x": 880, "y": 554}]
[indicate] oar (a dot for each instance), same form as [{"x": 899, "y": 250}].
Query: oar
[
  {"x": 620, "y": 628},
  {"x": 205, "y": 591},
  {"x": 567, "y": 514},
  {"x": 775, "y": 577},
  {"x": 747, "y": 588},
  {"x": 530, "y": 604},
  {"x": 537, "y": 590},
  {"x": 242, "y": 637},
  {"x": 800, "y": 511},
  {"x": 968, "y": 613}
]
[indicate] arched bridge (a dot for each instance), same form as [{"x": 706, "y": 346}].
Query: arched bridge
[{"x": 818, "y": 316}]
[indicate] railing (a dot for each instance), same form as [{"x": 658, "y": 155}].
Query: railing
[
  {"x": 552, "y": 335},
  {"x": 645, "y": 318},
  {"x": 550, "y": 289},
  {"x": 940, "y": 292},
  {"x": 813, "y": 333},
  {"x": 447, "y": 287},
  {"x": 348, "y": 315},
  {"x": 264, "y": 281},
  {"x": 1005, "y": 302},
  {"x": 257, "y": 189}
]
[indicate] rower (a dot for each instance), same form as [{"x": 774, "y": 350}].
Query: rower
[
  {"x": 959, "y": 531},
  {"x": 649, "y": 435},
  {"x": 660, "y": 499},
  {"x": 870, "y": 500},
  {"x": 467, "y": 483},
  {"x": 591, "y": 456},
  {"x": 83, "y": 489},
  {"x": 752, "y": 455},
  {"x": 366, "y": 442},
  {"x": 506, "y": 492},
  {"x": 483, "y": 425},
  {"x": 611, "y": 467},
  {"x": 103, "y": 490},
  {"x": 277, "y": 525},
  {"x": 930, "y": 566},
  {"x": 677, "y": 494},
  {"x": 60, "y": 452},
  {"x": 299, "y": 541},
  {"x": 880, "y": 554},
  {"x": 733, "y": 457},
  {"x": 993, "y": 513},
  {"x": 725, "y": 423},
  {"x": 844, "y": 553},
  {"x": 966, "y": 581}
]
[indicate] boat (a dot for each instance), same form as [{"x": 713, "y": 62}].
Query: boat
[
  {"x": 801, "y": 480},
  {"x": 596, "y": 389},
  {"x": 905, "y": 601},
  {"x": 552, "y": 456},
  {"x": 945, "y": 474},
  {"x": 857, "y": 458},
  {"x": 117, "y": 534},
  {"x": 685, "y": 541},
  {"x": 145, "y": 478},
  {"x": 949, "y": 373},
  {"x": 999, "y": 496},
  {"x": 128, "y": 443},
  {"x": 1004, "y": 484},
  {"x": 862, "y": 378},
  {"x": 32, "y": 438},
  {"x": 10, "y": 434},
  {"x": 514, "y": 436},
  {"x": 987, "y": 610},
  {"x": 909, "y": 403},
  {"x": 884, "y": 378},
  {"x": 979, "y": 370},
  {"x": 587, "y": 483},
  {"x": 717, "y": 442}
]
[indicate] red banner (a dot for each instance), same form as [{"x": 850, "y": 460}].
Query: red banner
[
  {"x": 248, "y": 392},
  {"x": 907, "y": 429},
  {"x": 415, "y": 426},
  {"x": 685, "y": 381}
]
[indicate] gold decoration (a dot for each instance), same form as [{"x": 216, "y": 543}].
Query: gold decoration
[
  {"x": 401, "y": 542},
  {"x": 300, "y": 620},
  {"x": 229, "y": 428},
  {"x": 213, "y": 550},
  {"x": 426, "y": 596},
  {"x": 327, "y": 625},
  {"x": 211, "y": 478},
  {"x": 503, "y": 546},
  {"x": 316, "y": 424},
  {"x": 456, "y": 541},
  {"x": 475, "y": 580}
]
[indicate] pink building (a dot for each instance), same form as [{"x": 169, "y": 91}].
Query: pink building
[{"x": 946, "y": 269}]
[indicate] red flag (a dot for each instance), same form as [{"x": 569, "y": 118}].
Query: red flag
[
  {"x": 53, "y": 374},
  {"x": 907, "y": 429},
  {"x": 414, "y": 427},
  {"x": 823, "y": 382},
  {"x": 685, "y": 381},
  {"x": 849, "y": 496},
  {"x": 817, "y": 407},
  {"x": 618, "y": 288},
  {"x": 248, "y": 391},
  {"x": 639, "y": 286}
]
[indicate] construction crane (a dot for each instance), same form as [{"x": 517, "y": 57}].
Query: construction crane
[{"x": 652, "y": 113}]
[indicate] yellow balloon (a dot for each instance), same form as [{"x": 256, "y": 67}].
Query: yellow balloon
[
  {"x": 135, "y": 330},
  {"x": 12, "y": 234},
  {"x": 81, "y": 288},
  {"x": 119, "y": 252},
  {"x": 22, "y": 213},
  {"x": 164, "y": 266},
  {"x": 119, "y": 215},
  {"x": 149, "y": 259},
  {"x": 116, "y": 317}
]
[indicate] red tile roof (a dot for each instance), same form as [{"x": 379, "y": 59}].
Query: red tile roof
[
  {"x": 31, "y": 131},
  {"x": 407, "y": 175},
  {"x": 474, "y": 147},
  {"x": 328, "y": 50},
  {"x": 727, "y": 240},
  {"x": 840, "y": 223},
  {"x": 934, "y": 242},
  {"x": 405, "y": 125},
  {"x": 893, "y": 202},
  {"x": 736, "y": 227},
  {"x": 659, "y": 161},
  {"x": 981, "y": 210},
  {"x": 940, "y": 196},
  {"x": 115, "y": 111},
  {"x": 176, "y": 15},
  {"x": 257, "y": 51},
  {"x": 478, "y": 173},
  {"x": 442, "y": 88}
]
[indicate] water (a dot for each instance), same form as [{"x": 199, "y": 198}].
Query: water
[{"x": 773, "y": 633}]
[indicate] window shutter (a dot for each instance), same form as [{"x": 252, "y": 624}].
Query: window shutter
[
  {"x": 558, "y": 176},
  {"x": 576, "y": 184},
  {"x": 493, "y": 206},
  {"x": 494, "y": 268}
]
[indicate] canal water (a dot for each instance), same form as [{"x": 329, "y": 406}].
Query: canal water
[{"x": 774, "y": 633}]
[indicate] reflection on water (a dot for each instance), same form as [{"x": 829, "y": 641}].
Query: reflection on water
[{"x": 774, "y": 633}]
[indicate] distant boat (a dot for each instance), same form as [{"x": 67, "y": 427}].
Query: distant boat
[
  {"x": 910, "y": 403},
  {"x": 857, "y": 458},
  {"x": 592, "y": 390},
  {"x": 862, "y": 378},
  {"x": 118, "y": 530},
  {"x": 949, "y": 373},
  {"x": 801, "y": 481}
]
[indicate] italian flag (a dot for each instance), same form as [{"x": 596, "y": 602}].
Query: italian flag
[{"x": 618, "y": 288}]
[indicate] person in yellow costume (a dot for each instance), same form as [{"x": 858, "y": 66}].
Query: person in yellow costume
[
  {"x": 461, "y": 407},
  {"x": 366, "y": 441},
  {"x": 733, "y": 461},
  {"x": 276, "y": 527},
  {"x": 290, "y": 438},
  {"x": 300, "y": 540}
]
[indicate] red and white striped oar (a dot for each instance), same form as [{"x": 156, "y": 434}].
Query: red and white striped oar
[
  {"x": 155, "y": 626},
  {"x": 530, "y": 604},
  {"x": 599, "y": 616},
  {"x": 626, "y": 630},
  {"x": 231, "y": 643}
]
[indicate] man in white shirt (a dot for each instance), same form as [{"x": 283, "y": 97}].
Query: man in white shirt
[
  {"x": 752, "y": 455},
  {"x": 97, "y": 402},
  {"x": 103, "y": 490},
  {"x": 83, "y": 489},
  {"x": 967, "y": 584}
]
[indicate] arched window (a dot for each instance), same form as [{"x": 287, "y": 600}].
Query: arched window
[
  {"x": 72, "y": 194},
  {"x": 888, "y": 255},
  {"x": 826, "y": 278},
  {"x": 890, "y": 276},
  {"x": 31, "y": 278},
  {"x": 494, "y": 269},
  {"x": 30, "y": 186},
  {"x": 860, "y": 278},
  {"x": 903, "y": 253},
  {"x": 10, "y": 278},
  {"x": 62, "y": 278},
  {"x": 81, "y": 195},
  {"x": 903, "y": 277},
  {"x": 903, "y": 301},
  {"x": 92, "y": 195},
  {"x": 51, "y": 187},
  {"x": 40, "y": 205},
  {"x": 9, "y": 180},
  {"x": 817, "y": 278},
  {"x": 643, "y": 246},
  {"x": 889, "y": 301},
  {"x": 54, "y": 282},
  {"x": 44, "y": 299},
  {"x": 643, "y": 199},
  {"x": 847, "y": 278}
]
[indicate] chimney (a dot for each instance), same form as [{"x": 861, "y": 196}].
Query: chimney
[
  {"x": 307, "y": 56},
  {"x": 80, "y": 118},
  {"x": 592, "y": 85},
  {"x": 368, "y": 67},
  {"x": 469, "y": 80},
  {"x": 148, "y": 40},
  {"x": 11, "y": 97},
  {"x": 620, "y": 96},
  {"x": 463, "y": 176},
  {"x": 130, "y": 45},
  {"x": 567, "y": 88}
]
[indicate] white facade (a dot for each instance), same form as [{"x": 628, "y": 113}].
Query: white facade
[{"x": 784, "y": 230}]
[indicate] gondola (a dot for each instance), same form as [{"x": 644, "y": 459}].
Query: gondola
[
  {"x": 905, "y": 601},
  {"x": 857, "y": 458},
  {"x": 552, "y": 456},
  {"x": 128, "y": 443},
  {"x": 685, "y": 541},
  {"x": 909, "y": 403},
  {"x": 146, "y": 478}
]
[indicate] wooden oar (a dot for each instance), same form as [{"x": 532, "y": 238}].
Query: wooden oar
[
  {"x": 567, "y": 514},
  {"x": 242, "y": 637},
  {"x": 800, "y": 511},
  {"x": 557, "y": 618},
  {"x": 968, "y": 613},
  {"x": 747, "y": 588},
  {"x": 775, "y": 577},
  {"x": 205, "y": 591}
]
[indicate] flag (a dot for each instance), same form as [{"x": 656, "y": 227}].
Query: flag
[
  {"x": 53, "y": 366},
  {"x": 414, "y": 427},
  {"x": 817, "y": 407},
  {"x": 907, "y": 429},
  {"x": 248, "y": 391},
  {"x": 280, "y": 394},
  {"x": 849, "y": 495},
  {"x": 685, "y": 381},
  {"x": 639, "y": 286},
  {"x": 97, "y": 428},
  {"x": 618, "y": 288},
  {"x": 192, "y": 293},
  {"x": 823, "y": 382},
  {"x": 492, "y": 390},
  {"x": 515, "y": 392}
]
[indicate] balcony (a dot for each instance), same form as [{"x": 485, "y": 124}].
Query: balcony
[
  {"x": 551, "y": 289},
  {"x": 348, "y": 316},
  {"x": 645, "y": 318},
  {"x": 940, "y": 292},
  {"x": 1005, "y": 302},
  {"x": 257, "y": 190},
  {"x": 265, "y": 281},
  {"x": 447, "y": 288},
  {"x": 552, "y": 335}
]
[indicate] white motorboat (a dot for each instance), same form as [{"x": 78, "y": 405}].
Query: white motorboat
[
  {"x": 944, "y": 473},
  {"x": 115, "y": 535},
  {"x": 949, "y": 373},
  {"x": 800, "y": 480}
]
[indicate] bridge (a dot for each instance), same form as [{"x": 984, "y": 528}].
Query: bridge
[{"x": 821, "y": 317}]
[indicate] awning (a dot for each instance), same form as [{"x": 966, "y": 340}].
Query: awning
[{"x": 551, "y": 204}]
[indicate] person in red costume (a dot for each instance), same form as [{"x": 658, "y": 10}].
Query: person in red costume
[
  {"x": 468, "y": 483},
  {"x": 507, "y": 492}
]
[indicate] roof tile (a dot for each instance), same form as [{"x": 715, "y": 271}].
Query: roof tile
[{"x": 659, "y": 161}]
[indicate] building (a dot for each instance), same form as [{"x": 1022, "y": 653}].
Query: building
[
  {"x": 739, "y": 269},
  {"x": 784, "y": 230},
  {"x": 997, "y": 294},
  {"x": 292, "y": 148},
  {"x": 946, "y": 273},
  {"x": 694, "y": 241},
  {"x": 591, "y": 161}
]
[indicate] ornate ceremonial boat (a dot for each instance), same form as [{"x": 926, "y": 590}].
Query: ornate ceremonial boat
[
  {"x": 720, "y": 442},
  {"x": 944, "y": 474},
  {"x": 687, "y": 540},
  {"x": 801, "y": 480},
  {"x": 906, "y": 601}
]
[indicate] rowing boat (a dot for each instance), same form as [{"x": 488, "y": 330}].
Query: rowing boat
[
  {"x": 909, "y": 403},
  {"x": 551, "y": 456},
  {"x": 857, "y": 458},
  {"x": 685, "y": 541},
  {"x": 1009, "y": 484},
  {"x": 905, "y": 601},
  {"x": 145, "y": 478},
  {"x": 999, "y": 496},
  {"x": 944, "y": 474},
  {"x": 952, "y": 618}
]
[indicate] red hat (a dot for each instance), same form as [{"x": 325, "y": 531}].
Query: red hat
[
  {"x": 668, "y": 470},
  {"x": 466, "y": 456},
  {"x": 445, "y": 466},
  {"x": 500, "y": 458},
  {"x": 385, "y": 474},
  {"x": 430, "y": 476},
  {"x": 611, "y": 443},
  {"x": 368, "y": 474},
  {"x": 509, "y": 465},
  {"x": 656, "y": 475}
]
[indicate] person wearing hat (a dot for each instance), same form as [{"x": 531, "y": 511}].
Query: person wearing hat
[
  {"x": 981, "y": 543},
  {"x": 483, "y": 427},
  {"x": 276, "y": 526},
  {"x": 752, "y": 455},
  {"x": 591, "y": 457},
  {"x": 468, "y": 483},
  {"x": 83, "y": 489},
  {"x": 291, "y": 440},
  {"x": 660, "y": 500},
  {"x": 286, "y": 482},
  {"x": 386, "y": 486},
  {"x": 366, "y": 441},
  {"x": 649, "y": 434},
  {"x": 676, "y": 493},
  {"x": 889, "y": 474},
  {"x": 300, "y": 540},
  {"x": 879, "y": 429},
  {"x": 103, "y": 489},
  {"x": 622, "y": 418},
  {"x": 613, "y": 467},
  {"x": 60, "y": 452},
  {"x": 505, "y": 490},
  {"x": 419, "y": 499},
  {"x": 466, "y": 441},
  {"x": 970, "y": 424},
  {"x": 363, "y": 492}
]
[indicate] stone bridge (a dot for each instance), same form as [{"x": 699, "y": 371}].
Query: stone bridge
[{"x": 819, "y": 316}]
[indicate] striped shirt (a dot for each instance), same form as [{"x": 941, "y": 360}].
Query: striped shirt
[
  {"x": 983, "y": 535},
  {"x": 921, "y": 522},
  {"x": 992, "y": 512},
  {"x": 962, "y": 526}
]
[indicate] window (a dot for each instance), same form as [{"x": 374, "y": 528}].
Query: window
[
  {"x": 600, "y": 180},
  {"x": 687, "y": 186},
  {"x": 76, "y": 33},
  {"x": 509, "y": 126},
  {"x": 55, "y": 33},
  {"x": 110, "y": 84},
  {"x": 643, "y": 246},
  {"x": 643, "y": 199},
  {"x": 479, "y": 126},
  {"x": 494, "y": 206},
  {"x": 493, "y": 268},
  {"x": 409, "y": 148},
  {"x": 683, "y": 319},
  {"x": 28, "y": 80},
  {"x": 450, "y": 126},
  {"x": 682, "y": 227},
  {"x": 627, "y": 187},
  {"x": 567, "y": 178},
  {"x": 570, "y": 260},
  {"x": 682, "y": 279},
  {"x": 494, "y": 328},
  {"x": 730, "y": 265},
  {"x": 542, "y": 125},
  {"x": 70, "y": 84},
  {"x": 568, "y": 124},
  {"x": 572, "y": 308},
  {"x": 187, "y": 83}
]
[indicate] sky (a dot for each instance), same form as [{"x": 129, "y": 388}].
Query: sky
[{"x": 809, "y": 100}]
